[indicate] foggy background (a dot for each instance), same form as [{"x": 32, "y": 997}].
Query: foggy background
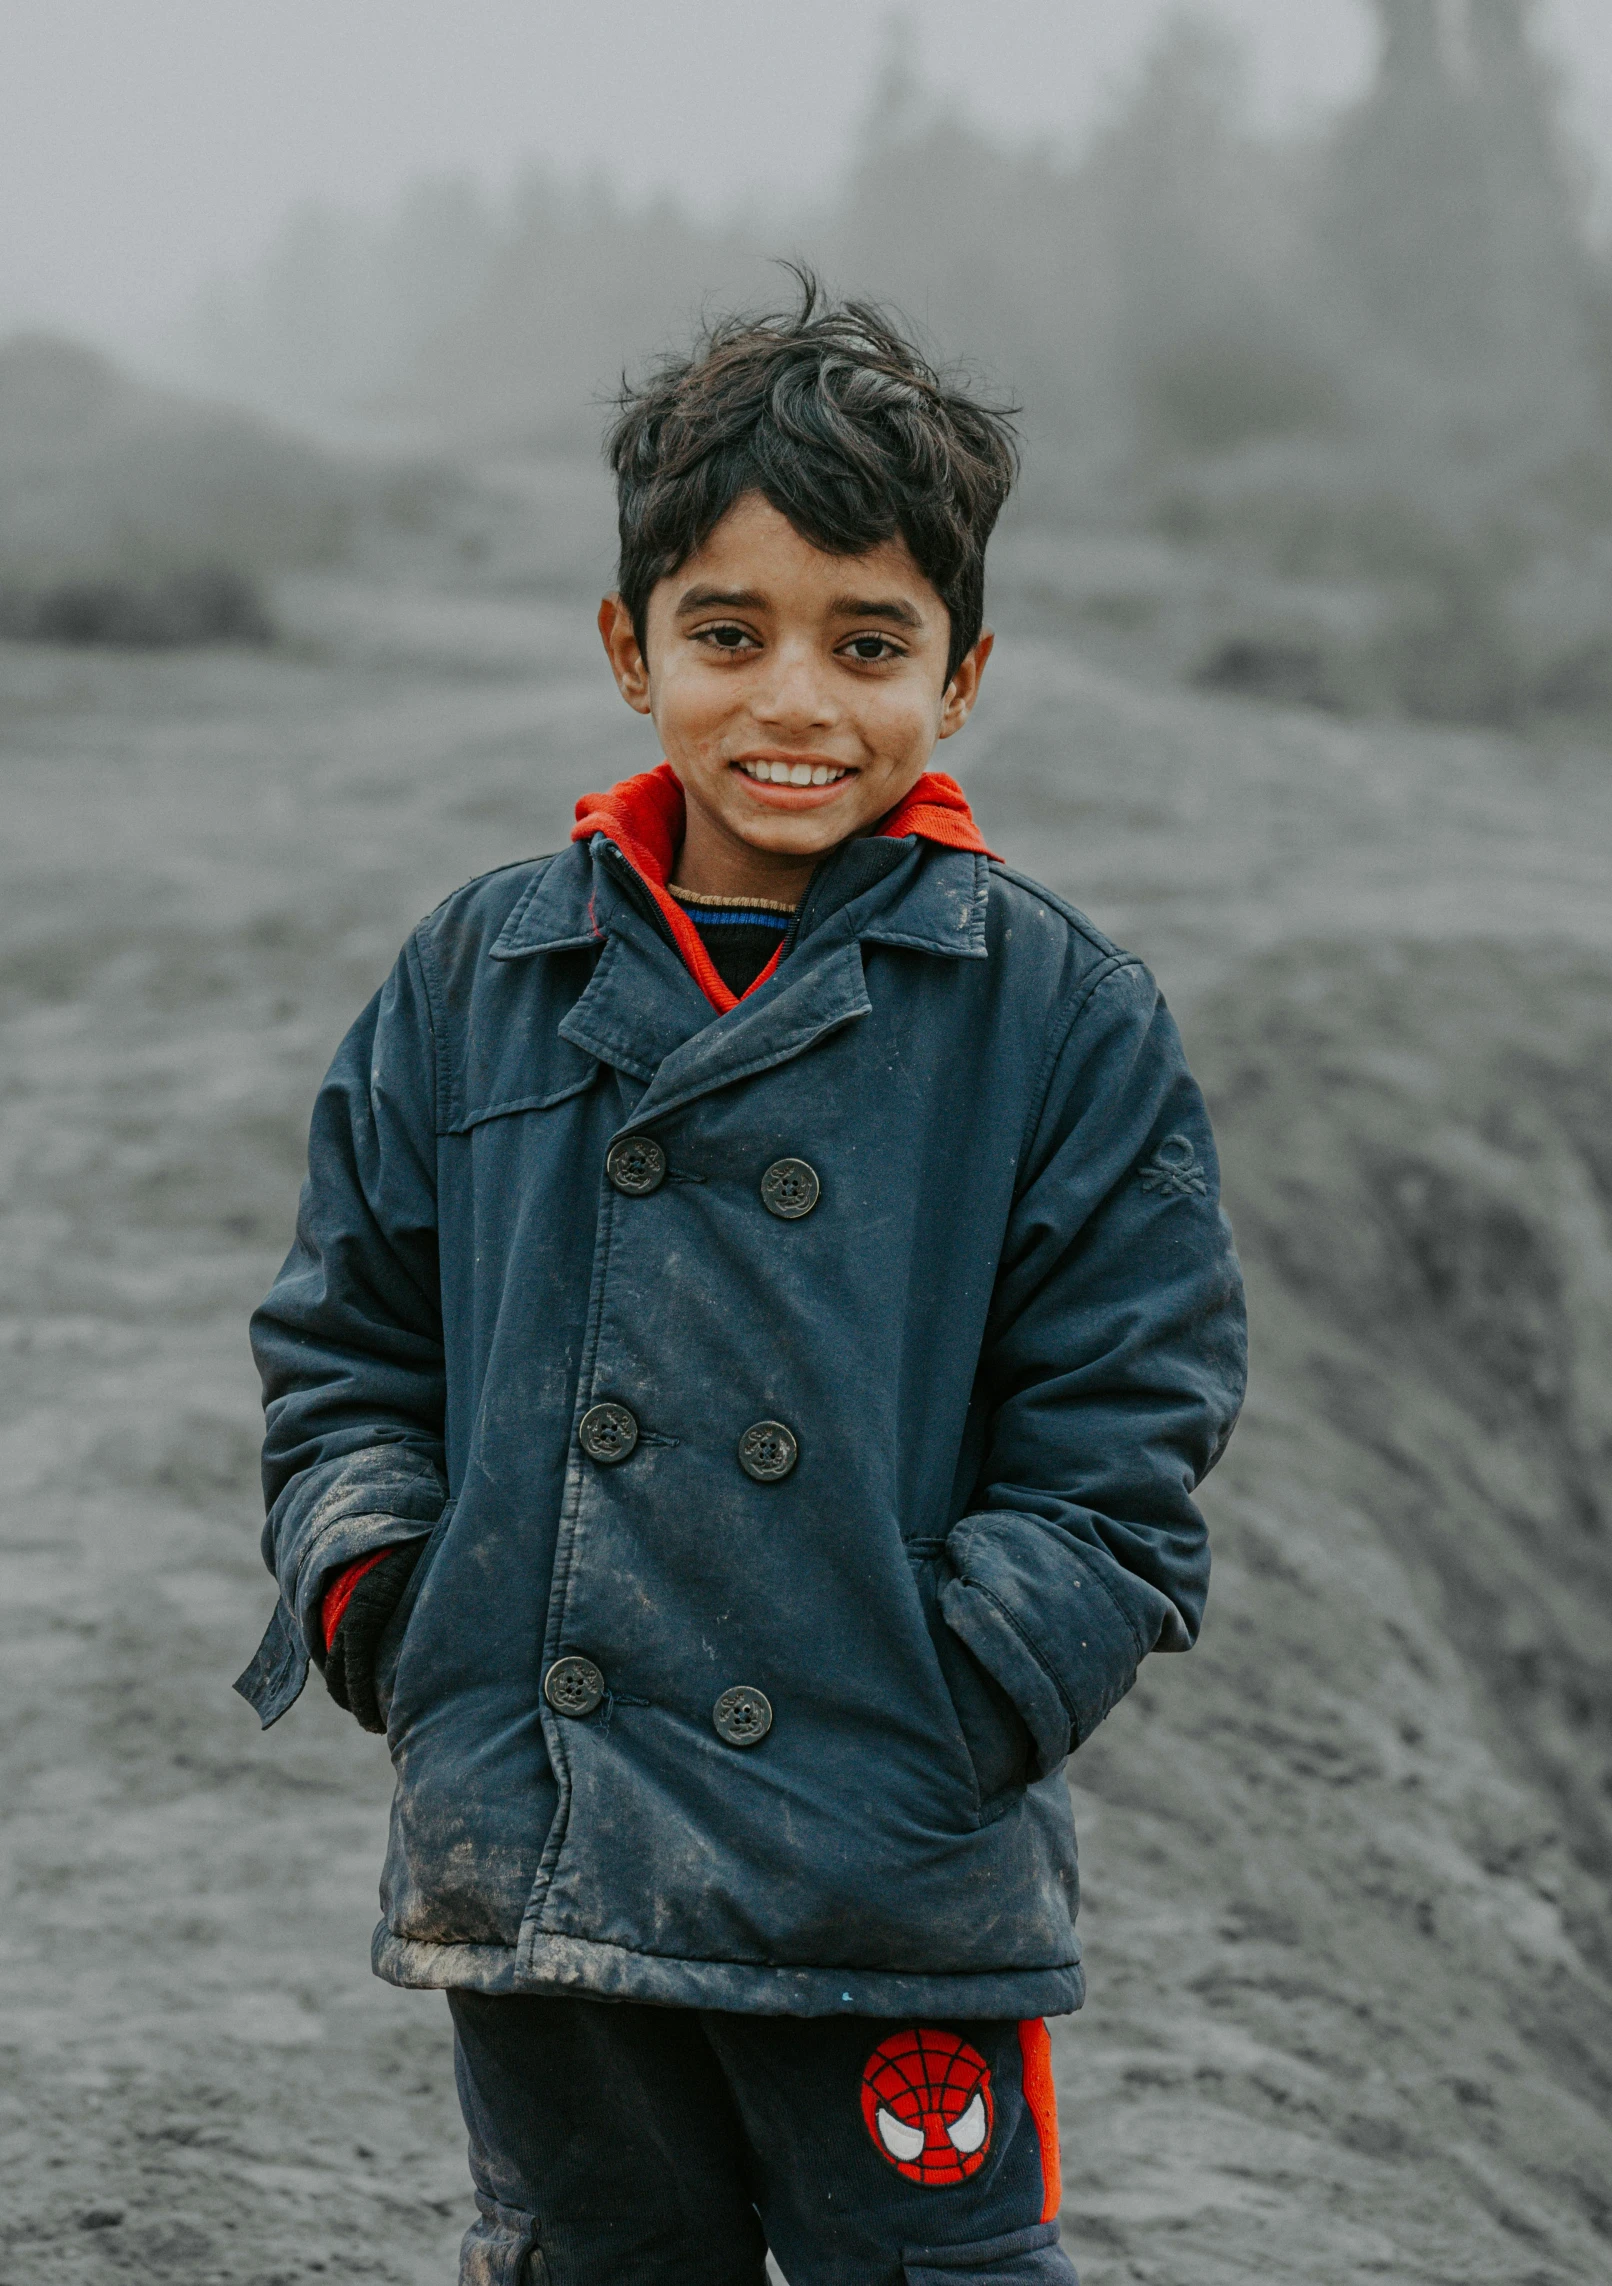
[
  {"x": 309, "y": 317},
  {"x": 1325, "y": 302}
]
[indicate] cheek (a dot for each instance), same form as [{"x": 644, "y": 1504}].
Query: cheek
[
  {"x": 690, "y": 707},
  {"x": 898, "y": 718}
]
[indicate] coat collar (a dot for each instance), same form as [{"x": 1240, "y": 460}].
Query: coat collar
[
  {"x": 925, "y": 898},
  {"x": 643, "y": 1013},
  {"x": 555, "y": 913},
  {"x": 898, "y": 892},
  {"x": 642, "y": 820}
]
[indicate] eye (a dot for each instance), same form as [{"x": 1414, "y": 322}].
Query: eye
[
  {"x": 872, "y": 650},
  {"x": 968, "y": 2133},
  {"x": 900, "y": 2140},
  {"x": 726, "y": 637}
]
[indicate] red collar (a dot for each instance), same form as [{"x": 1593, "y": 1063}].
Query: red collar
[{"x": 643, "y": 816}]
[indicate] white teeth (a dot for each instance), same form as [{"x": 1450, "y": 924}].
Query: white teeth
[{"x": 793, "y": 773}]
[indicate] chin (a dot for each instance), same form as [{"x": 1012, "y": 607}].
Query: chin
[{"x": 795, "y": 837}]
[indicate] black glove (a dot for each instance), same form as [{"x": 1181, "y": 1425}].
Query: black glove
[{"x": 351, "y": 1658}]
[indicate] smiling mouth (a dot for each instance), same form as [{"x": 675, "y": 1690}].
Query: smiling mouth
[{"x": 793, "y": 773}]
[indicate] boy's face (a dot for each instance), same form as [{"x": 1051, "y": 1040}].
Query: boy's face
[{"x": 798, "y": 695}]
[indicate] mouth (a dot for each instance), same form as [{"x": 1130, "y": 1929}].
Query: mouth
[
  {"x": 792, "y": 783},
  {"x": 801, "y": 775}
]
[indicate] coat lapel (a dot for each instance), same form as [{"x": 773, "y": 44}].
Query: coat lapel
[
  {"x": 800, "y": 1005},
  {"x": 640, "y": 1005},
  {"x": 642, "y": 1012},
  {"x": 640, "y": 1002}
]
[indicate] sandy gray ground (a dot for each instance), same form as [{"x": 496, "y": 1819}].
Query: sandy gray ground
[{"x": 1348, "y": 1867}]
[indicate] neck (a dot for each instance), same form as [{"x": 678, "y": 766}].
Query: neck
[{"x": 714, "y": 863}]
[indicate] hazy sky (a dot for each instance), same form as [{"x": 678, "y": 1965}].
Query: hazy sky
[{"x": 145, "y": 144}]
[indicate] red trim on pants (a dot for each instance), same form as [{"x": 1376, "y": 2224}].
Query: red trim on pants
[{"x": 1041, "y": 2096}]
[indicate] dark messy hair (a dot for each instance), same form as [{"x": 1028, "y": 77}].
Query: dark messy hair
[{"x": 834, "y": 416}]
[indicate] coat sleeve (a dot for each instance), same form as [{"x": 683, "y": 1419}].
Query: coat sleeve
[
  {"x": 349, "y": 1340},
  {"x": 1112, "y": 1373}
]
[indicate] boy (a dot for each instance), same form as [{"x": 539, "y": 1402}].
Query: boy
[{"x": 758, "y": 1314}]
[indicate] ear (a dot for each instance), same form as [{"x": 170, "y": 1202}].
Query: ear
[
  {"x": 627, "y": 661},
  {"x": 964, "y": 687}
]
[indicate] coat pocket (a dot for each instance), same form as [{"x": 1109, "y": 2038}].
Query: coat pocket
[
  {"x": 1020, "y": 2258},
  {"x": 500, "y": 2249},
  {"x": 993, "y": 1731},
  {"x": 389, "y": 1651}
]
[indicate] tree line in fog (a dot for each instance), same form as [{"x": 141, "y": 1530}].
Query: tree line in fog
[
  {"x": 1365, "y": 371},
  {"x": 1183, "y": 292}
]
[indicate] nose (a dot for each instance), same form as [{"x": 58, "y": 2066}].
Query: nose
[{"x": 798, "y": 694}]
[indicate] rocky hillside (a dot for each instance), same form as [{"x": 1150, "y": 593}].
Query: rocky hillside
[
  {"x": 99, "y": 471},
  {"x": 137, "y": 517},
  {"x": 1353, "y": 2009}
]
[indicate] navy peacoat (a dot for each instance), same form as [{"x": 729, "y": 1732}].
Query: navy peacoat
[{"x": 801, "y": 1409}]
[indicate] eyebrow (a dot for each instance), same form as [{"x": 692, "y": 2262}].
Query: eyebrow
[
  {"x": 890, "y": 609},
  {"x": 897, "y": 613},
  {"x": 720, "y": 599}
]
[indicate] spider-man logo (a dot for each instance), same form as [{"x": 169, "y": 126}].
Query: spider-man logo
[{"x": 926, "y": 2098}]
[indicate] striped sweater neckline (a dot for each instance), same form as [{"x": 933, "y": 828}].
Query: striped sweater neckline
[{"x": 703, "y": 902}]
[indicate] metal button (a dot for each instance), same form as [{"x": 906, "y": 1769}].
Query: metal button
[
  {"x": 767, "y": 1451},
  {"x": 637, "y": 1165},
  {"x": 743, "y": 1716},
  {"x": 573, "y": 1686},
  {"x": 607, "y": 1433},
  {"x": 790, "y": 1189}
]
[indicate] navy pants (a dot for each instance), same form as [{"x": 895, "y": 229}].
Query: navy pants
[{"x": 618, "y": 2145}]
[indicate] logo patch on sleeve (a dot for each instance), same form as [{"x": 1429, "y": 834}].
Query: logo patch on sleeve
[
  {"x": 927, "y": 2104},
  {"x": 1173, "y": 1171}
]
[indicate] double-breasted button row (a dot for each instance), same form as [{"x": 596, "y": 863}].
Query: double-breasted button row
[
  {"x": 636, "y": 1165},
  {"x": 608, "y": 1432},
  {"x": 574, "y": 1686}
]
